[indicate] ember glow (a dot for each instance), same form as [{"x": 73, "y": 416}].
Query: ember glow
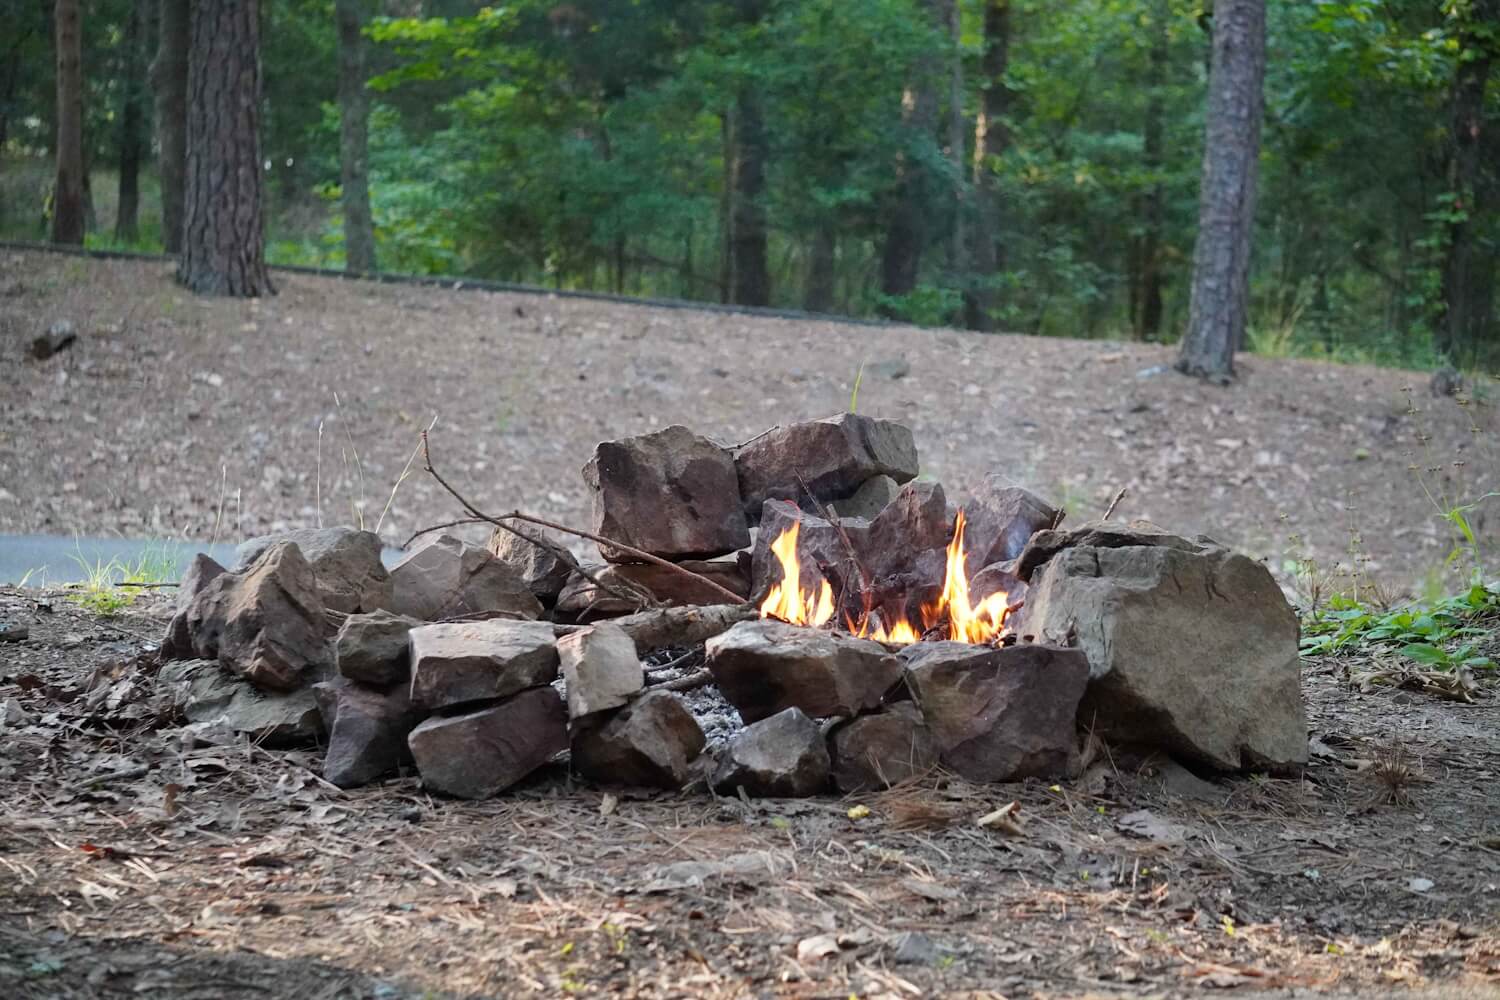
[{"x": 953, "y": 613}]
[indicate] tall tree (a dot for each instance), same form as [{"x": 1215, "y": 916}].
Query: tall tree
[
  {"x": 991, "y": 136},
  {"x": 748, "y": 240},
  {"x": 1219, "y": 307},
  {"x": 223, "y": 241},
  {"x": 169, "y": 80},
  {"x": 1146, "y": 279},
  {"x": 906, "y": 235},
  {"x": 354, "y": 137},
  {"x": 68, "y": 208},
  {"x": 132, "y": 145}
]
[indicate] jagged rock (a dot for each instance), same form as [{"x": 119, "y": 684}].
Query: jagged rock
[
  {"x": 1101, "y": 535},
  {"x": 444, "y": 577},
  {"x": 582, "y": 601},
  {"x": 833, "y": 457},
  {"x": 178, "y": 644},
  {"x": 1193, "y": 648},
  {"x": 665, "y": 628},
  {"x": 472, "y": 661},
  {"x": 373, "y": 648},
  {"x": 764, "y": 667},
  {"x": 1000, "y": 714},
  {"x": 484, "y": 751},
  {"x": 905, "y": 551},
  {"x": 995, "y": 579},
  {"x": 779, "y": 757},
  {"x": 265, "y": 623},
  {"x": 59, "y": 337},
  {"x": 877, "y": 751},
  {"x": 999, "y": 520},
  {"x": 545, "y": 570},
  {"x": 345, "y": 560},
  {"x": 818, "y": 544},
  {"x": 367, "y": 730},
  {"x": 672, "y": 493},
  {"x": 205, "y": 692},
  {"x": 870, "y": 499},
  {"x": 600, "y": 668},
  {"x": 652, "y": 741}
]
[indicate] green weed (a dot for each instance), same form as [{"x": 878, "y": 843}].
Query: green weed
[
  {"x": 1441, "y": 634},
  {"x": 107, "y": 586}
]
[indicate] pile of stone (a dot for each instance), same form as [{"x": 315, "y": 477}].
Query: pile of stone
[{"x": 480, "y": 665}]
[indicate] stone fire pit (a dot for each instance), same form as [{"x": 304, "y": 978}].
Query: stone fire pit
[{"x": 882, "y": 631}]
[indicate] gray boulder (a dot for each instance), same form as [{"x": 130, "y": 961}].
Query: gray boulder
[
  {"x": 265, "y": 623},
  {"x": 780, "y": 757},
  {"x": 1000, "y": 714},
  {"x": 1192, "y": 648},
  {"x": 444, "y": 577},
  {"x": 1102, "y": 535},
  {"x": 653, "y": 741},
  {"x": 461, "y": 662},
  {"x": 482, "y": 752},
  {"x": 878, "y": 750},
  {"x": 764, "y": 667},
  {"x": 870, "y": 499},
  {"x": 367, "y": 730},
  {"x": 345, "y": 560},
  {"x": 205, "y": 692},
  {"x": 833, "y": 457},
  {"x": 672, "y": 493},
  {"x": 373, "y": 648},
  {"x": 544, "y": 569},
  {"x": 600, "y": 669}
]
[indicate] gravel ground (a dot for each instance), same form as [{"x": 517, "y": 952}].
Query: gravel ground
[{"x": 180, "y": 417}]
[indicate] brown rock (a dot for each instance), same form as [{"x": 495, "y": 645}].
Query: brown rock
[
  {"x": 600, "y": 668},
  {"x": 1102, "y": 535},
  {"x": 178, "y": 644},
  {"x": 878, "y": 750},
  {"x": 872, "y": 497},
  {"x": 780, "y": 757},
  {"x": 999, "y": 520},
  {"x": 367, "y": 730},
  {"x": 345, "y": 560},
  {"x": 472, "y": 661},
  {"x": 265, "y": 624},
  {"x": 1000, "y": 714},
  {"x": 482, "y": 752},
  {"x": 444, "y": 577},
  {"x": 544, "y": 569},
  {"x": 582, "y": 601},
  {"x": 764, "y": 667},
  {"x": 833, "y": 457},
  {"x": 818, "y": 545},
  {"x": 671, "y": 493},
  {"x": 373, "y": 648},
  {"x": 1193, "y": 649},
  {"x": 207, "y": 694},
  {"x": 652, "y": 741}
]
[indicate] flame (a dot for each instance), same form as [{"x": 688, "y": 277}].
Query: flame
[
  {"x": 786, "y": 599},
  {"x": 965, "y": 621}
]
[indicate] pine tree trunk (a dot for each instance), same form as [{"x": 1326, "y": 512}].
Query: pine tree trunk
[
  {"x": 1146, "y": 289},
  {"x": 1219, "y": 307},
  {"x": 990, "y": 141},
  {"x": 957, "y": 135},
  {"x": 68, "y": 209},
  {"x": 223, "y": 242},
  {"x": 169, "y": 80},
  {"x": 354, "y": 138},
  {"x": 132, "y": 145},
  {"x": 1467, "y": 275},
  {"x": 817, "y": 295},
  {"x": 749, "y": 273},
  {"x": 906, "y": 237}
]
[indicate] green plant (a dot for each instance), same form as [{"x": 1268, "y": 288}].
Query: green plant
[
  {"x": 109, "y": 587},
  {"x": 1440, "y": 634},
  {"x": 859, "y": 377}
]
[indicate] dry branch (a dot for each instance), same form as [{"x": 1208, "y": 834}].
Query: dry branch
[{"x": 696, "y": 679}]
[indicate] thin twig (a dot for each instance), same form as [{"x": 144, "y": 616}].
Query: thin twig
[
  {"x": 730, "y": 596},
  {"x": 866, "y": 594},
  {"x": 1114, "y": 503},
  {"x": 746, "y": 444},
  {"x": 439, "y": 527},
  {"x": 693, "y": 681}
]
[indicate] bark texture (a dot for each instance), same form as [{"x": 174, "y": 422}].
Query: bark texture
[
  {"x": 1146, "y": 252},
  {"x": 169, "y": 76},
  {"x": 68, "y": 209},
  {"x": 990, "y": 140},
  {"x": 749, "y": 273},
  {"x": 223, "y": 243},
  {"x": 354, "y": 138},
  {"x": 1218, "y": 309},
  {"x": 132, "y": 144},
  {"x": 818, "y": 295}
]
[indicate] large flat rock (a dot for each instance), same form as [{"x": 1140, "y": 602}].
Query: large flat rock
[
  {"x": 458, "y": 662},
  {"x": 445, "y": 577},
  {"x": 764, "y": 667},
  {"x": 480, "y": 753},
  {"x": 833, "y": 457}
]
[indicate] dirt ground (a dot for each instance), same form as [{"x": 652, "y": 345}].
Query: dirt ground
[
  {"x": 140, "y": 863},
  {"x": 180, "y": 417}
]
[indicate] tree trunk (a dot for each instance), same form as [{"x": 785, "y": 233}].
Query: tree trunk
[
  {"x": 726, "y": 207},
  {"x": 169, "y": 80},
  {"x": 749, "y": 274},
  {"x": 354, "y": 138},
  {"x": 817, "y": 296},
  {"x": 957, "y": 129},
  {"x": 223, "y": 243},
  {"x": 1217, "y": 311},
  {"x": 1146, "y": 289},
  {"x": 1468, "y": 270},
  {"x": 132, "y": 144},
  {"x": 68, "y": 210},
  {"x": 990, "y": 140}
]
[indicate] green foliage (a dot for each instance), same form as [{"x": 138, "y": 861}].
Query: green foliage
[
  {"x": 1442, "y": 634},
  {"x": 105, "y": 589}
]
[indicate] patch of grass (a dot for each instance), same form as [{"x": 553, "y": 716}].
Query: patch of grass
[
  {"x": 1441, "y": 635},
  {"x": 106, "y": 586}
]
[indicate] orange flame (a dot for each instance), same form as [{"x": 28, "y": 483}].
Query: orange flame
[
  {"x": 965, "y": 621},
  {"x": 786, "y": 599}
]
